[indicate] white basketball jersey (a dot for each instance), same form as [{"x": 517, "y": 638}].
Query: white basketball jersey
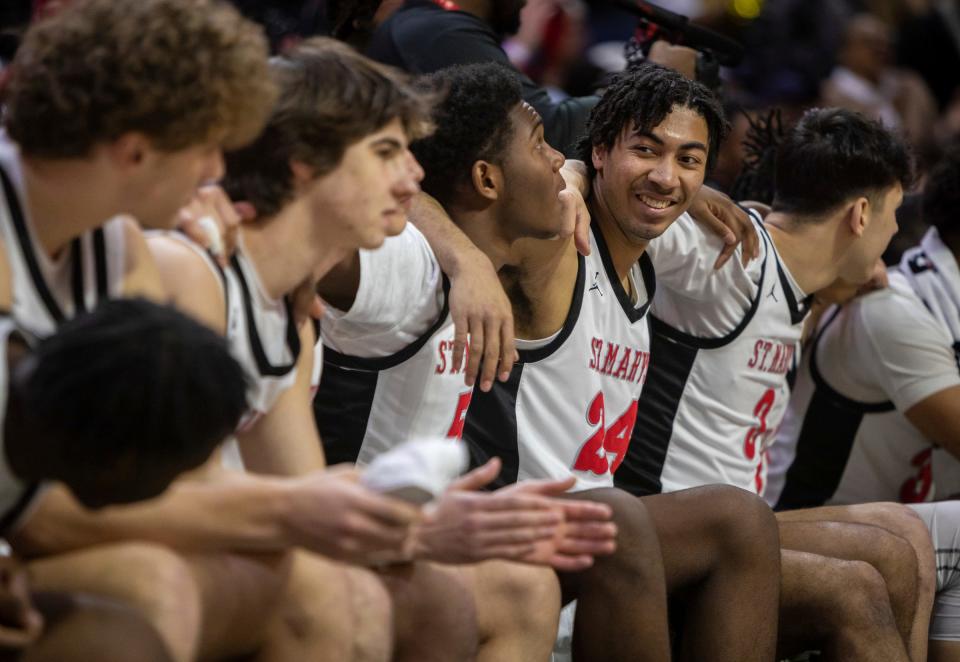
[
  {"x": 261, "y": 333},
  {"x": 16, "y": 496},
  {"x": 713, "y": 402},
  {"x": 844, "y": 439},
  {"x": 569, "y": 406},
  {"x": 371, "y": 399},
  {"x": 47, "y": 292}
]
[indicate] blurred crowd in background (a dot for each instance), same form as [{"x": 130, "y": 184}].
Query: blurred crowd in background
[{"x": 894, "y": 60}]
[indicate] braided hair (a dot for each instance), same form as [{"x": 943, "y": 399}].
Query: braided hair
[{"x": 756, "y": 178}]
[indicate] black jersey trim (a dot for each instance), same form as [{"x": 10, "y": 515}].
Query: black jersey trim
[
  {"x": 573, "y": 314},
  {"x": 264, "y": 366},
  {"x": 798, "y": 309},
  {"x": 829, "y": 391},
  {"x": 342, "y": 409},
  {"x": 662, "y": 328},
  {"x": 633, "y": 313},
  {"x": 490, "y": 428},
  {"x": 10, "y": 517},
  {"x": 26, "y": 248},
  {"x": 670, "y": 365},
  {"x": 100, "y": 264},
  {"x": 333, "y": 357}
]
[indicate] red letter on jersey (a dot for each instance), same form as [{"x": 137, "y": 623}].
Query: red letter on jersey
[{"x": 456, "y": 428}]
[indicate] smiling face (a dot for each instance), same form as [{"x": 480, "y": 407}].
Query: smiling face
[
  {"x": 647, "y": 179},
  {"x": 532, "y": 180},
  {"x": 367, "y": 196}
]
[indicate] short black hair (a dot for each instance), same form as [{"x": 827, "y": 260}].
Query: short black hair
[
  {"x": 471, "y": 123},
  {"x": 941, "y": 194},
  {"x": 133, "y": 376},
  {"x": 832, "y": 155},
  {"x": 644, "y": 95}
]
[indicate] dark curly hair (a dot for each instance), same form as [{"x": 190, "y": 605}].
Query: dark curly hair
[
  {"x": 183, "y": 72},
  {"x": 643, "y": 96},
  {"x": 755, "y": 180},
  {"x": 472, "y": 123},
  {"x": 832, "y": 155},
  {"x": 941, "y": 194},
  {"x": 330, "y": 97}
]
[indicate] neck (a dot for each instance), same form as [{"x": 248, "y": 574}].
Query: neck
[
  {"x": 485, "y": 231},
  {"x": 624, "y": 251},
  {"x": 812, "y": 252},
  {"x": 65, "y": 198},
  {"x": 283, "y": 256}
]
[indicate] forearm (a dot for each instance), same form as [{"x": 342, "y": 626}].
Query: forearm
[
  {"x": 448, "y": 242},
  {"x": 240, "y": 513}
]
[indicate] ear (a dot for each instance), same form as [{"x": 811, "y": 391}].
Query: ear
[
  {"x": 303, "y": 174},
  {"x": 487, "y": 180},
  {"x": 858, "y": 216},
  {"x": 130, "y": 150},
  {"x": 597, "y": 155}
]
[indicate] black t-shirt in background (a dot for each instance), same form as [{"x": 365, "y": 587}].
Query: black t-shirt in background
[{"x": 422, "y": 37}]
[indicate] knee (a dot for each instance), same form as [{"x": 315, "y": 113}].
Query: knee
[
  {"x": 739, "y": 523},
  {"x": 636, "y": 531},
  {"x": 528, "y": 595},
  {"x": 861, "y": 600}
]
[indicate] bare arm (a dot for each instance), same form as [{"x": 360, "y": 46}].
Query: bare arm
[
  {"x": 285, "y": 440},
  {"x": 478, "y": 304},
  {"x": 938, "y": 418}
]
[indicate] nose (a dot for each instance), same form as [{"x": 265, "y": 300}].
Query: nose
[
  {"x": 416, "y": 170},
  {"x": 664, "y": 174},
  {"x": 407, "y": 178},
  {"x": 557, "y": 159}
]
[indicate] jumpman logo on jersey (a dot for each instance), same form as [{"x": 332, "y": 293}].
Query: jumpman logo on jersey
[
  {"x": 596, "y": 283},
  {"x": 773, "y": 293}
]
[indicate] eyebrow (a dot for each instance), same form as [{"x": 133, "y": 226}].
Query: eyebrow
[
  {"x": 386, "y": 142},
  {"x": 694, "y": 144}
]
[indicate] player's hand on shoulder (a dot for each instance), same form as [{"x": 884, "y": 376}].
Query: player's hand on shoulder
[
  {"x": 331, "y": 513},
  {"x": 722, "y": 215},
  {"x": 213, "y": 221},
  {"x": 481, "y": 312},
  {"x": 20, "y": 622}
]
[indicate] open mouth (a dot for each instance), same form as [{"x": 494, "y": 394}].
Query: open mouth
[{"x": 654, "y": 203}]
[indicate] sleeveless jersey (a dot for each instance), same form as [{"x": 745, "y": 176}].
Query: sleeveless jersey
[
  {"x": 261, "y": 333},
  {"x": 569, "y": 405},
  {"x": 46, "y": 291},
  {"x": 369, "y": 402},
  {"x": 845, "y": 439},
  {"x": 713, "y": 401},
  {"x": 16, "y": 496}
]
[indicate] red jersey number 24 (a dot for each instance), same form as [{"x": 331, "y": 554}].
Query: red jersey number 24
[{"x": 606, "y": 440}]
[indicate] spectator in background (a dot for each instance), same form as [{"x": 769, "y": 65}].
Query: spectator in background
[{"x": 866, "y": 81}]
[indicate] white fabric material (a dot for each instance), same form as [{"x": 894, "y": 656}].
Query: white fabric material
[
  {"x": 939, "y": 287},
  {"x": 885, "y": 346},
  {"x": 418, "y": 470},
  {"x": 29, "y": 310},
  {"x": 576, "y": 408},
  {"x": 692, "y": 296},
  {"x": 735, "y": 395},
  {"x": 399, "y": 299},
  {"x": 943, "y": 521},
  {"x": 270, "y": 321}
]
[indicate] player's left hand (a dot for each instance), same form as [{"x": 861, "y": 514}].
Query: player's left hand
[
  {"x": 723, "y": 216},
  {"x": 213, "y": 221},
  {"x": 878, "y": 279},
  {"x": 481, "y": 311},
  {"x": 586, "y": 530},
  {"x": 573, "y": 201}
]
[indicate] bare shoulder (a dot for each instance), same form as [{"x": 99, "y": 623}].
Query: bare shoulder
[
  {"x": 6, "y": 280},
  {"x": 189, "y": 279}
]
